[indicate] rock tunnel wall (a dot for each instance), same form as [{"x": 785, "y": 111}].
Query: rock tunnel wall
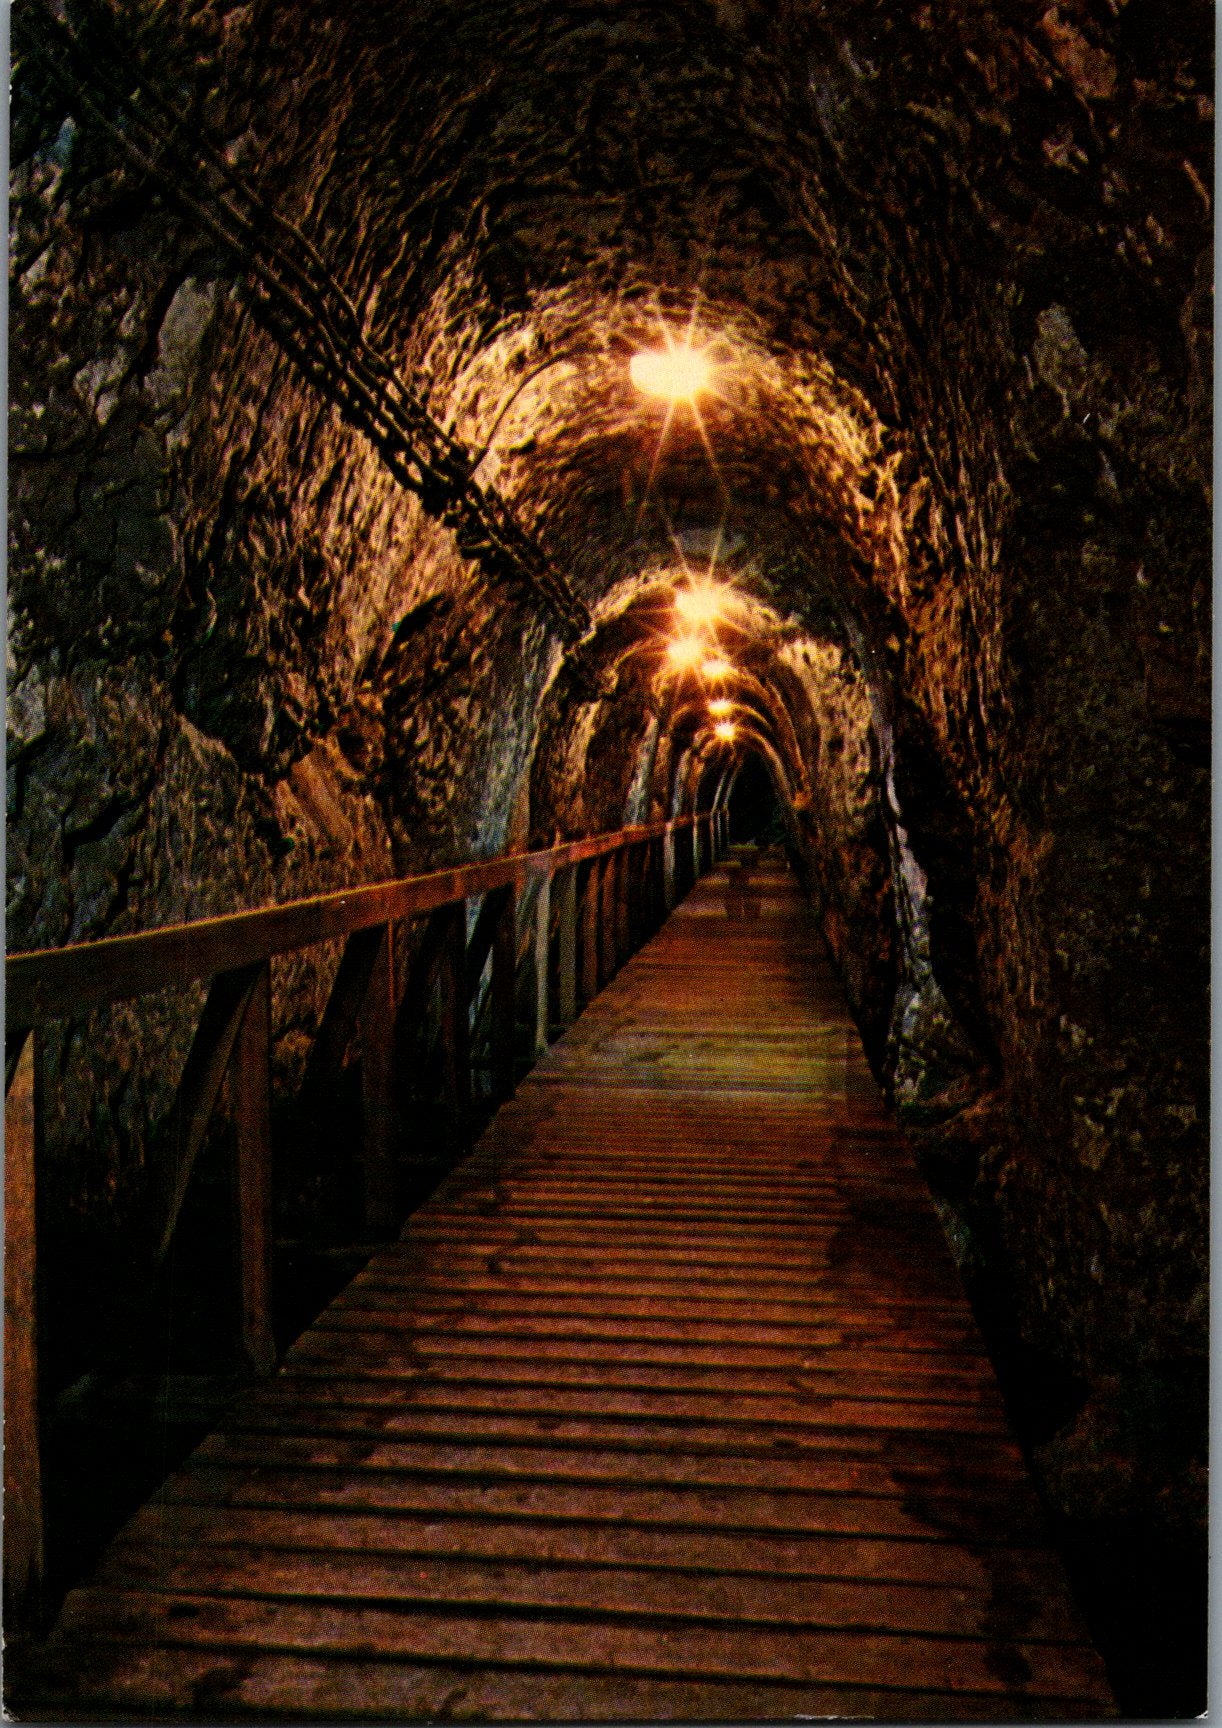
[{"x": 954, "y": 273}]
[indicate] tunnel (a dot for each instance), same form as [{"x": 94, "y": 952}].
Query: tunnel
[{"x": 444, "y": 433}]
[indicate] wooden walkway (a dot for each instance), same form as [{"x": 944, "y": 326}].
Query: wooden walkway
[{"x": 668, "y": 1405}]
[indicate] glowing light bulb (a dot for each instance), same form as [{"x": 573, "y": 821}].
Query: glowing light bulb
[
  {"x": 716, "y": 666},
  {"x": 700, "y": 603},
  {"x": 726, "y": 731},
  {"x": 675, "y": 374},
  {"x": 685, "y": 652},
  {"x": 721, "y": 707}
]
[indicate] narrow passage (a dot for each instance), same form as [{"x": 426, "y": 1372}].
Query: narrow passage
[{"x": 667, "y": 1405}]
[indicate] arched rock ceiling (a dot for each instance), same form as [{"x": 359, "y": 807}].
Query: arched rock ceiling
[
  {"x": 954, "y": 266},
  {"x": 519, "y": 202},
  {"x": 861, "y": 210}
]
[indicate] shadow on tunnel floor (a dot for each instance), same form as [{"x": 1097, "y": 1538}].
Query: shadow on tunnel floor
[
  {"x": 1144, "y": 1596},
  {"x": 1141, "y": 1586}
]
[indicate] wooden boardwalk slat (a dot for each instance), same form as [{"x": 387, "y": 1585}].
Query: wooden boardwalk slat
[
  {"x": 318, "y": 1445},
  {"x": 736, "y": 1599},
  {"x": 161, "y": 1681},
  {"x": 655, "y": 1644},
  {"x": 668, "y": 1405},
  {"x": 916, "y": 1515},
  {"x": 177, "y": 1529}
]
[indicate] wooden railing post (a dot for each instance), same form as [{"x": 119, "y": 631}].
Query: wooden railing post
[
  {"x": 377, "y": 1030},
  {"x": 455, "y": 1026},
  {"x": 567, "y": 945},
  {"x": 623, "y": 896},
  {"x": 644, "y": 898},
  {"x": 543, "y": 926},
  {"x": 606, "y": 920},
  {"x": 591, "y": 901},
  {"x": 251, "y": 1093},
  {"x": 632, "y": 896},
  {"x": 23, "y": 1513},
  {"x": 504, "y": 978}
]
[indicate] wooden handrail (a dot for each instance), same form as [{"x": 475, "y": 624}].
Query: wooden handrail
[
  {"x": 51, "y": 983},
  {"x": 629, "y": 881}
]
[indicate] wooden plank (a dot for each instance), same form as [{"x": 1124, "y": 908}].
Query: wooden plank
[
  {"x": 937, "y": 1457},
  {"x": 658, "y": 1391},
  {"x": 189, "y": 1526},
  {"x": 866, "y": 1349},
  {"x": 806, "y": 1477},
  {"x": 251, "y": 1093},
  {"x": 379, "y": 1138},
  {"x": 23, "y": 1512},
  {"x": 782, "y": 1277},
  {"x": 623, "y": 903},
  {"x": 466, "y": 1362},
  {"x": 591, "y": 942},
  {"x": 655, "y": 908},
  {"x": 171, "y": 1681},
  {"x": 976, "y": 1461},
  {"x": 504, "y": 982},
  {"x": 573, "y": 1393},
  {"x": 229, "y": 1570},
  {"x": 249, "y": 1479},
  {"x": 455, "y": 1027},
  {"x": 567, "y": 946},
  {"x": 612, "y": 1315},
  {"x": 856, "y": 1372},
  {"x": 808, "y": 1654},
  {"x": 542, "y": 949},
  {"x": 648, "y": 854},
  {"x": 608, "y": 958},
  {"x": 53, "y": 982}
]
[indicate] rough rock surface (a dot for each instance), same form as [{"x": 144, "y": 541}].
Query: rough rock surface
[{"x": 954, "y": 267}]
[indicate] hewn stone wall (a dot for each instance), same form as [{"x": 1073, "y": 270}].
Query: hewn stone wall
[{"x": 955, "y": 269}]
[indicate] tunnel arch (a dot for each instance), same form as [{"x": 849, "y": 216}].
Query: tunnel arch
[
  {"x": 249, "y": 661},
  {"x": 751, "y": 785}
]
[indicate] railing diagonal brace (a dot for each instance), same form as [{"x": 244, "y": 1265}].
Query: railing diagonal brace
[
  {"x": 343, "y": 1011},
  {"x": 482, "y": 937},
  {"x": 199, "y": 1088},
  {"x": 422, "y": 975}
]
